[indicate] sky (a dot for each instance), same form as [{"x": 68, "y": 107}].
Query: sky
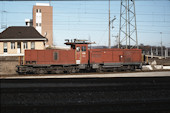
[{"x": 89, "y": 20}]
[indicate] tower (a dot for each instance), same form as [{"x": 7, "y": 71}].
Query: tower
[
  {"x": 127, "y": 27},
  {"x": 43, "y": 21}
]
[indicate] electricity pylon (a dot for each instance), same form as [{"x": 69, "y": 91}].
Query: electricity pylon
[{"x": 127, "y": 27}]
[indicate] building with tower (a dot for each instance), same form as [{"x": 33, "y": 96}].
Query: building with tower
[{"x": 43, "y": 21}]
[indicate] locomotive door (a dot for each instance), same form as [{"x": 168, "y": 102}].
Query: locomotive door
[
  {"x": 81, "y": 54},
  {"x": 78, "y": 55}
]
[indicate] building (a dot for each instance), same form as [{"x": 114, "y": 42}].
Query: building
[
  {"x": 43, "y": 21},
  {"x": 29, "y": 22},
  {"x": 14, "y": 40}
]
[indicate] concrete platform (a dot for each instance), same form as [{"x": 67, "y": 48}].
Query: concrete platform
[{"x": 87, "y": 75}]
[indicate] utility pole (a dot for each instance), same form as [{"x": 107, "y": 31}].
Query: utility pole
[
  {"x": 161, "y": 45},
  {"x": 110, "y": 22},
  {"x": 166, "y": 53},
  {"x": 3, "y": 17},
  {"x": 117, "y": 40},
  {"x": 127, "y": 26},
  {"x": 156, "y": 51},
  {"x": 90, "y": 41},
  {"x": 151, "y": 52},
  {"x": 109, "y": 25}
]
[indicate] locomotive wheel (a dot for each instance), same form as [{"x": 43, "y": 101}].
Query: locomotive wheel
[
  {"x": 58, "y": 71},
  {"x": 114, "y": 69},
  {"x": 74, "y": 70},
  {"x": 99, "y": 70},
  {"x": 132, "y": 68},
  {"x": 42, "y": 71},
  {"x": 69, "y": 70}
]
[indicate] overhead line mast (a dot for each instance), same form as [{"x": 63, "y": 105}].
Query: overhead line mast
[
  {"x": 127, "y": 27},
  {"x": 110, "y": 21},
  {"x": 109, "y": 25}
]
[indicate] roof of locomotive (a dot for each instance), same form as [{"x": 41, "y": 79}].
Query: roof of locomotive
[{"x": 77, "y": 41}]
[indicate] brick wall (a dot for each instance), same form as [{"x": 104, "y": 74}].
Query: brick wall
[{"x": 8, "y": 65}]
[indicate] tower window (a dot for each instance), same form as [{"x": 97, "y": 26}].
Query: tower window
[{"x": 38, "y": 10}]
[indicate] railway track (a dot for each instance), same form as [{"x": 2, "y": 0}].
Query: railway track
[
  {"x": 87, "y": 95},
  {"x": 83, "y": 73}
]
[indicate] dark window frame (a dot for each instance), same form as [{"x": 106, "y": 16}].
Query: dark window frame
[
  {"x": 5, "y": 50},
  {"x": 32, "y": 45},
  {"x": 78, "y": 50},
  {"x": 12, "y": 46},
  {"x": 83, "y": 48},
  {"x": 25, "y": 45},
  {"x": 55, "y": 56}
]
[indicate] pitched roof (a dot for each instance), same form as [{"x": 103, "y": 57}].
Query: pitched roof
[{"x": 21, "y": 32}]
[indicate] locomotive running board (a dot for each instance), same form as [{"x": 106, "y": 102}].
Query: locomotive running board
[{"x": 112, "y": 64}]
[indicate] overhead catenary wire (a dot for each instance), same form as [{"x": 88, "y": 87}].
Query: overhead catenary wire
[
  {"x": 94, "y": 17},
  {"x": 61, "y": 13}
]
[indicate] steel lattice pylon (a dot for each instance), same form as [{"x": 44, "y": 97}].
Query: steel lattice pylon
[{"x": 127, "y": 27}]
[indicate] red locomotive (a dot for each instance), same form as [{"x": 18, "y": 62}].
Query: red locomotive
[{"x": 80, "y": 58}]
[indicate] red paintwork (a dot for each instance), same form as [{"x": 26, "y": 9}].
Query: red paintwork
[
  {"x": 91, "y": 56},
  {"x": 64, "y": 56},
  {"x": 115, "y": 55},
  {"x": 47, "y": 56}
]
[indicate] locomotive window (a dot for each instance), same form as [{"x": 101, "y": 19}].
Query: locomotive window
[
  {"x": 33, "y": 62},
  {"x": 73, "y": 46},
  {"x": 83, "y": 48},
  {"x": 78, "y": 49},
  {"x": 55, "y": 56},
  {"x": 27, "y": 62}
]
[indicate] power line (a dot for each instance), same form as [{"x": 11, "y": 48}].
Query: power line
[
  {"x": 56, "y": 13},
  {"x": 80, "y": 3},
  {"x": 87, "y": 24}
]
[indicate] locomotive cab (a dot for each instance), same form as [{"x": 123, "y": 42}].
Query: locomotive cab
[{"x": 81, "y": 50}]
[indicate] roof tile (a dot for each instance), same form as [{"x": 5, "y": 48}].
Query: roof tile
[{"x": 20, "y": 32}]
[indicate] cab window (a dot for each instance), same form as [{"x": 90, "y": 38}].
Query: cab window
[
  {"x": 78, "y": 49},
  {"x": 83, "y": 48}
]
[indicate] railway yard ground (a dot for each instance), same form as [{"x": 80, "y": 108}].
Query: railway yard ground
[
  {"x": 92, "y": 75},
  {"x": 119, "y": 92},
  {"x": 142, "y": 94}
]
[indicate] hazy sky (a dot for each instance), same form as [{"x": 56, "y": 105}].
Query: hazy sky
[{"x": 89, "y": 19}]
